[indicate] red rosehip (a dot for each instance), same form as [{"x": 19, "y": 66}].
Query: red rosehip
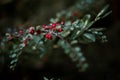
[
  {"x": 32, "y": 30},
  {"x": 60, "y": 30},
  {"x": 48, "y": 36}
]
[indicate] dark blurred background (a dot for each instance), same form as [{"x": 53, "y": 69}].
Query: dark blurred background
[{"x": 104, "y": 59}]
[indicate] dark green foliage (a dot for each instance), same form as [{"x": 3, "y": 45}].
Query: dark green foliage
[{"x": 76, "y": 31}]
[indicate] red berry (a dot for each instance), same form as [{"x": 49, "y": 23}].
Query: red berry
[
  {"x": 39, "y": 31},
  {"x": 28, "y": 38},
  {"x": 57, "y": 23},
  {"x": 51, "y": 27},
  {"x": 20, "y": 32},
  {"x": 45, "y": 27},
  {"x": 11, "y": 37},
  {"x": 63, "y": 23},
  {"x": 48, "y": 36},
  {"x": 25, "y": 42},
  {"x": 54, "y": 25},
  {"x": 60, "y": 30},
  {"x": 31, "y": 30}
]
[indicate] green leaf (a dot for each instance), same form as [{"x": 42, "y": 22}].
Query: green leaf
[
  {"x": 97, "y": 29},
  {"x": 86, "y": 20},
  {"x": 103, "y": 11},
  {"x": 13, "y": 55},
  {"x": 45, "y": 78},
  {"x": 36, "y": 39},
  {"x": 89, "y": 37}
]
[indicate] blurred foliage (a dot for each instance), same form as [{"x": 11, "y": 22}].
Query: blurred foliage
[{"x": 25, "y": 15}]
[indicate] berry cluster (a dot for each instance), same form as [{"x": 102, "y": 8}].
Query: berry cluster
[
  {"x": 32, "y": 31},
  {"x": 49, "y": 29}
]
